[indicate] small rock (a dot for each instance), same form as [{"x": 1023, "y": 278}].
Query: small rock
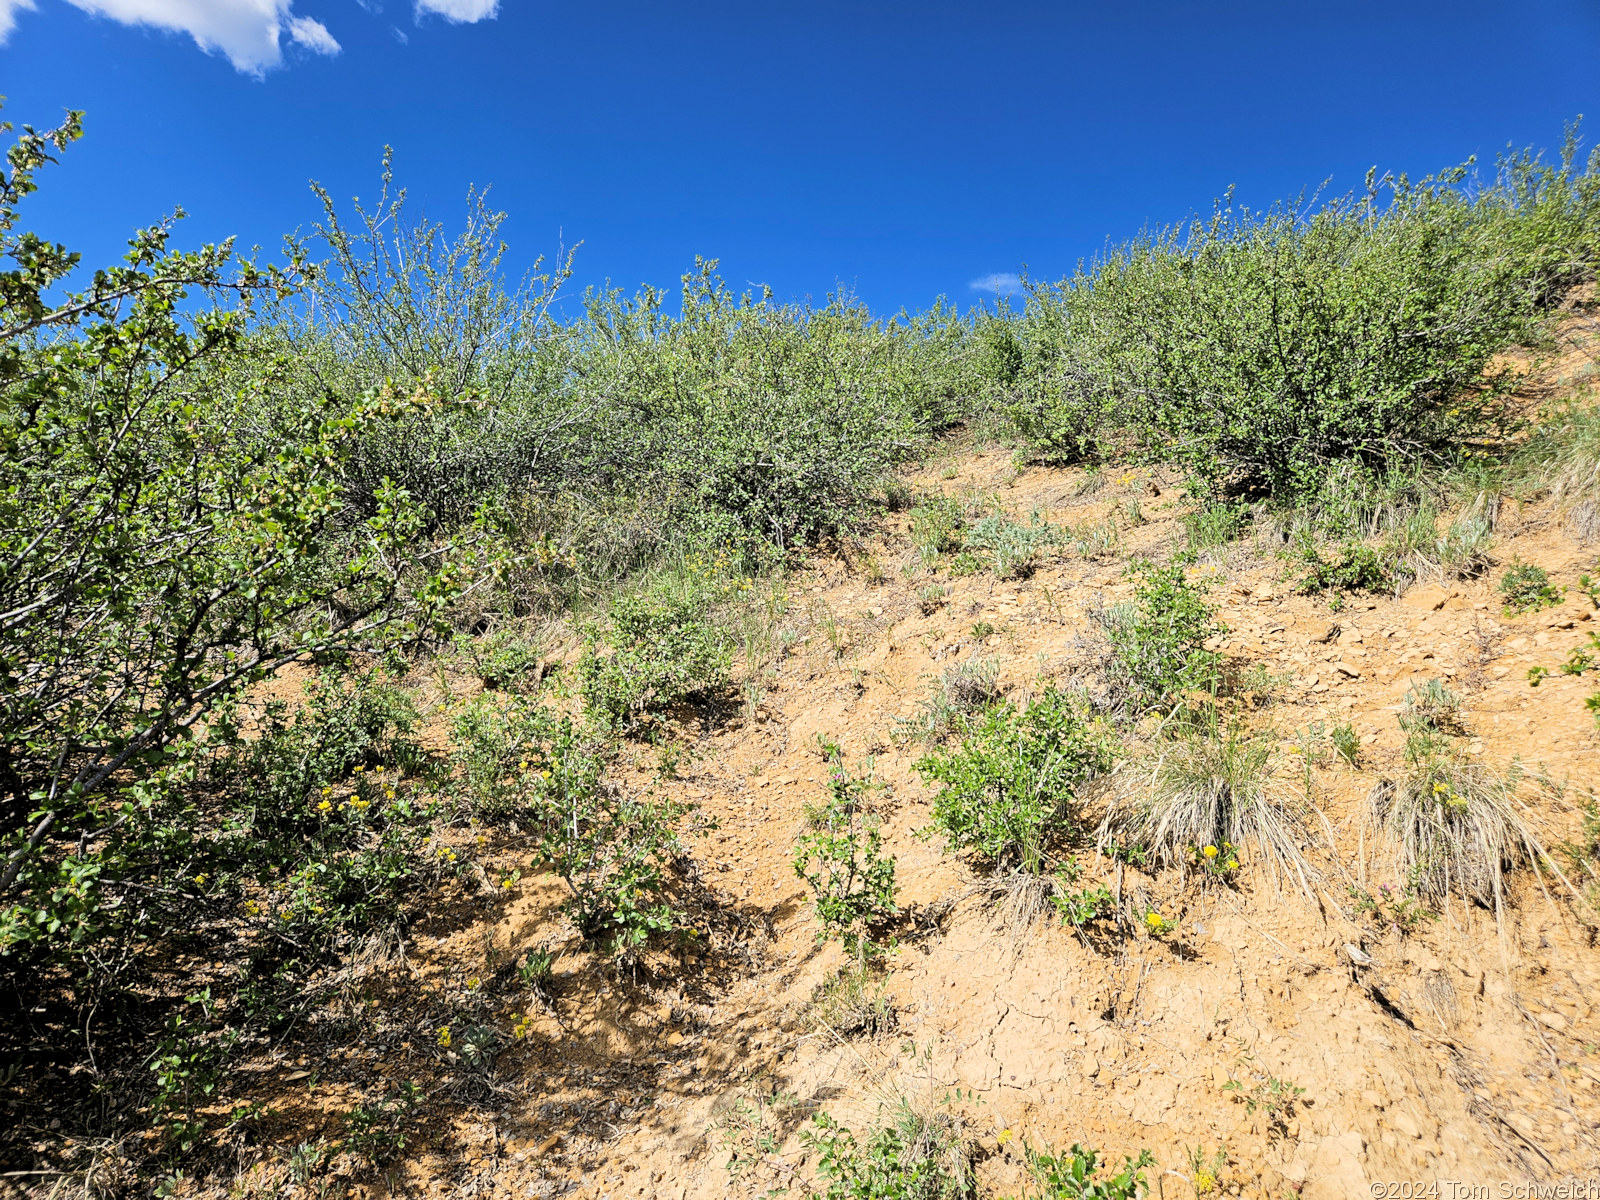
[
  {"x": 1347, "y": 670},
  {"x": 1091, "y": 1067},
  {"x": 1554, "y": 1020},
  {"x": 674, "y": 1038},
  {"x": 1429, "y": 599},
  {"x": 1406, "y": 1124}
]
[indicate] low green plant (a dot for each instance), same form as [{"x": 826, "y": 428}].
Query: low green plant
[
  {"x": 1431, "y": 707},
  {"x": 961, "y": 690},
  {"x": 1079, "y": 1174},
  {"x": 1580, "y": 660},
  {"x": 1214, "y": 525},
  {"x": 1096, "y": 541},
  {"x": 1010, "y": 786},
  {"x": 1527, "y": 588},
  {"x": 840, "y": 858},
  {"x": 936, "y": 525},
  {"x": 187, "y": 1068},
  {"x": 1274, "y": 1097},
  {"x": 909, "y": 1155},
  {"x": 1013, "y": 550},
  {"x": 1397, "y": 908},
  {"x": 1346, "y": 742},
  {"x": 1216, "y": 862},
  {"x": 501, "y": 659},
  {"x": 752, "y": 1130},
  {"x": 1354, "y": 568},
  {"x": 379, "y": 1130},
  {"x": 1158, "y": 643},
  {"x": 518, "y": 760},
  {"x": 1583, "y": 855},
  {"x": 1079, "y": 906},
  {"x": 982, "y": 630},
  {"x": 932, "y": 598},
  {"x": 1208, "y": 1172},
  {"x": 656, "y": 650}
]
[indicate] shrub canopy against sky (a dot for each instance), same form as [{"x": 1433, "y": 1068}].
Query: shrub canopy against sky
[{"x": 899, "y": 150}]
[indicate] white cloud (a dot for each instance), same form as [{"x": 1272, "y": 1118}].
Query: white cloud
[
  {"x": 313, "y": 35},
  {"x": 1003, "y": 283},
  {"x": 8, "y": 16},
  {"x": 245, "y": 31},
  {"x": 461, "y": 12}
]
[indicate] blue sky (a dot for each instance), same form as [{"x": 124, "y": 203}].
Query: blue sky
[{"x": 901, "y": 150}]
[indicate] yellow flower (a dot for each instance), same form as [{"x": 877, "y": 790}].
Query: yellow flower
[
  {"x": 1004, "y": 1136},
  {"x": 1154, "y": 920},
  {"x": 324, "y": 806},
  {"x": 1210, "y": 852},
  {"x": 544, "y": 774},
  {"x": 1232, "y": 864},
  {"x": 200, "y": 879},
  {"x": 444, "y": 1035},
  {"x": 472, "y": 983}
]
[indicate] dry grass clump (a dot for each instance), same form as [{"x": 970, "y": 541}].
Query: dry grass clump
[
  {"x": 1454, "y": 822},
  {"x": 853, "y": 1003},
  {"x": 961, "y": 689},
  {"x": 1563, "y": 456},
  {"x": 1456, "y": 828},
  {"x": 1206, "y": 787}
]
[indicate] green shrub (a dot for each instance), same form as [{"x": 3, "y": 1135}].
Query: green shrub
[
  {"x": 840, "y": 858},
  {"x": 909, "y": 1156},
  {"x": 1264, "y": 351},
  {"x": 613, "y": 850},
  {"x": 1527, "y": 588},
  {"x": 1159, "y": 642},
  {"x": 1079, "y": 1175},
  {"x": 936, "y": 525},
  {"x": 501, "y": 659},
  {"x": 656, "y": 651},
  {"x": 1010, "y": 786},
  {"x": 1355, "y": 568}
]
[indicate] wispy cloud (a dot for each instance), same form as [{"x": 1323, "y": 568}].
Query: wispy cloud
[
  {"x": 313, "y": 35},
  {"x": 459, "y": 12},
  {"x": 1003, "y": 283},
  {"x": 247, "y": 32},
  {"x": 8, "y": 16}
]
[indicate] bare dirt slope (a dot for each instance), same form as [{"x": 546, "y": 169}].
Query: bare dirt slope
[
  {"x": 1462, "y": 1052},
  {"x": 1465, "y": 1050}
]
